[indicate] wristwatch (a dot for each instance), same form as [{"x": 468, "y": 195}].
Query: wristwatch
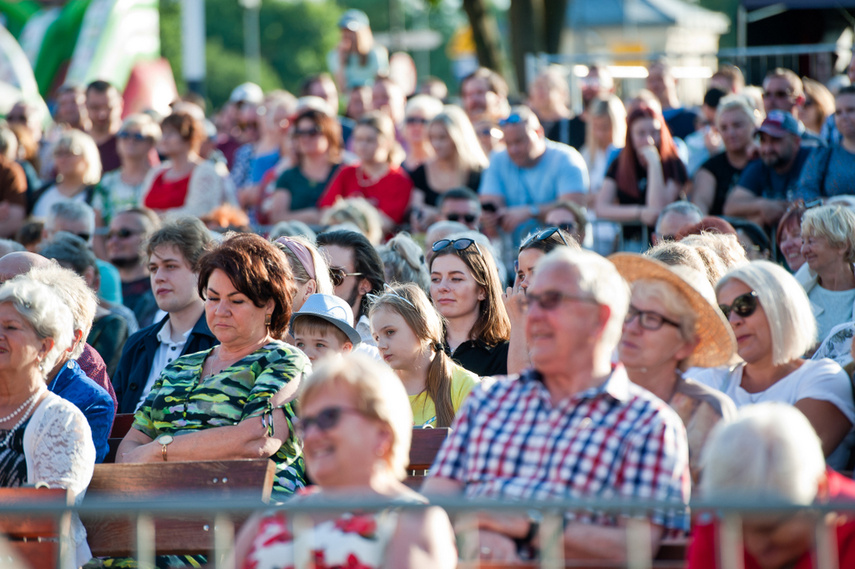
[{"x": 164, "y": 440}]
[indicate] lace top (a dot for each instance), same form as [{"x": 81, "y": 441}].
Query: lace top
[{"x": 13, "y": 462}]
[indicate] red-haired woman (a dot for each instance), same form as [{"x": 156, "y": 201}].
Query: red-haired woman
[{"x": 646, "y": 176}]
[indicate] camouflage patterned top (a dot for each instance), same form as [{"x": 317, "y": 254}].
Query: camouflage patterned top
[{"x": 180, "y": 403}]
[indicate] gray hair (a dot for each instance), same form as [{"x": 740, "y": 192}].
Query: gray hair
[
  {"x": 835, "y": 223},
  {"x": 292, "y": 228},
  {"x": 681, "y": 207},
  {"x": 404, "y": 262},
  {"x": 788, "y": 312},
  {"x": 70, "y": 251},
  {"x": 73, "y": 291},
  {"x": 768, "y": 450},
  {"x": 599, "y": 279},
  {"x": 72, "y": 211},
  {"x": 43, "y": 310}
]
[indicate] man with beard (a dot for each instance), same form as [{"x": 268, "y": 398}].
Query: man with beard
[
  {"x": 484, "y": 94},
  {"x": 356, "y": 270},
  {"x": 766, "y": 185},
  {"x": 129, "y": 232},
  {"x": 104, "y": 106}
]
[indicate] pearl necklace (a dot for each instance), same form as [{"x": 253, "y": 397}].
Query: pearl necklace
[
  {"x": 23, "y": 418},
  {"x": 21, "y": 406}
]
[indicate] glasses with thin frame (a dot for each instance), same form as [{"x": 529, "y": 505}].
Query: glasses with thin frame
[{"x": 648, "y": 319}]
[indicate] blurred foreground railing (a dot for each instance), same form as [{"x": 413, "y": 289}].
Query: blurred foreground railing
[{"x": 216, "y": 516}]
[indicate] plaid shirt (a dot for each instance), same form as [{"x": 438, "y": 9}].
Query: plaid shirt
[{"x": 617, "y": 440}]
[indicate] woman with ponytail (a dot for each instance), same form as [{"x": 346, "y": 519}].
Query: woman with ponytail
[{"x": 409, "y": 334}]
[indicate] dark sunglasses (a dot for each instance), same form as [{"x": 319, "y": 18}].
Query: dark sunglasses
[
  {"x": 137, "y": 136},
  {"x": 416, "y": 120},
  {"x": 648, "y": 319},
  {"x": 314, "y": 131},
  {"x": 550, "y": 299},
  {"x": 777, "y": 94},
  {"x": 325, "y": 420},
  {"x": 465, "y": 217},
  {"x": 543, "y": 236},
  {"x": 456, "y": 244},
  {"x": 743, "y": 305},
  {"x": 338, "y": 274},
  {"x": 85, "y": 236},
  {"x": 122, "y": 233}
]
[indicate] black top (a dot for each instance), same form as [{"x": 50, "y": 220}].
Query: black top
[
  {"x": 432, "y": 197},
  {"x": 726, "y": 176},
  {"x": 566, "y": 131},
  {"x": 481, "y": 360}
]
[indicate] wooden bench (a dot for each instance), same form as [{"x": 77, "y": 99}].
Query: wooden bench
[
  {"x": 35, "y": 538},
  {"x": 174, "y": 535},
  {"x": 423, "y": 450}
]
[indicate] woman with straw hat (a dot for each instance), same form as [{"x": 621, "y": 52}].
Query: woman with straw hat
[{"x": 672, "y": 324}]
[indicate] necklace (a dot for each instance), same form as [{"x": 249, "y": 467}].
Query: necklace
[
  {"x": 21, "y": 406},
  {"x": 20, "y": 422}
]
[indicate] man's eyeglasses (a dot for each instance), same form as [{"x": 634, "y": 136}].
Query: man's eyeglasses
[
  {"x": 387, "y": 290},
  {"x": 743, "y": 305},
  {"x": 325, "y": 420},
  {"x": 338, "y": 274},
  {"x": 648, "y": 319},
  {"x": 456, "y": 244},
  {"x": 122, "y": 233},
  {"x": 543, "y": 236},
  {"x": 464, "y": 217},
  {"x": 550, "y": 299},
  {"x": 136, "y": 136}
]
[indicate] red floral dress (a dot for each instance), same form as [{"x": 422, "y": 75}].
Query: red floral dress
[{"x": 351, "y": 541}]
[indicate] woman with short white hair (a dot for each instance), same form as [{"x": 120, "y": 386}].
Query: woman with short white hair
[
  {"x": 774, "y": 327},
  {"x": 828, "y": 246},
  {"x": 770, "y": 452},
  {"x": 78, "y": 171},
  {"x": 43, "y": 437},
  {"x": 420, "y": 110},
  {"x": 356, "y": 428}
]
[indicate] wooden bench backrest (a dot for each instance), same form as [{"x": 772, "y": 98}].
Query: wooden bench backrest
[
  {"x": 121, "y": 425},
  {"x": 174, "y": 535},
  {"x": 41, "y": 532},
  {"x": 425, "y": 446}
]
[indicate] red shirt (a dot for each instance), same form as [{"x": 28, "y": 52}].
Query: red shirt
[
  {"x": 390, "y": 194},
  {"x": 703, "y": 551},
  {"x": 167, "y": 195}
]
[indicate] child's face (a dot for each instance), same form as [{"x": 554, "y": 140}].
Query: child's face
[{"x": 319, "y": 346}]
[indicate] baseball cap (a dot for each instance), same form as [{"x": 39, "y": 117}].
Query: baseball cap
[
  {"x": 779, "y": 124},
  {"x": 247, "y": 93},
  {"x": 353, "y": 20},
  {"x": 332, "y": 309}
]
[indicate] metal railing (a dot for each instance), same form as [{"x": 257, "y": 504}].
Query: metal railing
[{"x": 216, "y": 514}]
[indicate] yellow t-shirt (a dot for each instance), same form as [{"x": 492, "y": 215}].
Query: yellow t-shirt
[{"x": 462, "y": 383}]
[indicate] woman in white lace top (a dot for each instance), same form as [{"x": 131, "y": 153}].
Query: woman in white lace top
[{"x": 43, "y": 438}]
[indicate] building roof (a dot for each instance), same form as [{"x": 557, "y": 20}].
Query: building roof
[{"x": 593, "y": 13}]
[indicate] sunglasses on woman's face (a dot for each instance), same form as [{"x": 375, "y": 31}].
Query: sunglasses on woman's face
[
  {"x": 743, "y": 305},
  {"x": 456, "y": 244},
  {"x": 325, "y": 420}
]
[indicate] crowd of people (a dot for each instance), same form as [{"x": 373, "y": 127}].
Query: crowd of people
[{"x": 642, "y": 301}]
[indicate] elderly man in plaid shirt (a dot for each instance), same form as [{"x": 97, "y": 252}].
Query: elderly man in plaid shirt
[{"x": 574, "y": 426}]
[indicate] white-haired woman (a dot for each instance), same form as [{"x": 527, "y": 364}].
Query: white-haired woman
[
  {"x": 672, "y": 324},
  {"x": 78, "y": 170},
  {"x": 828, "y": 247},
  {"x": 43, "y": 437},
  {"x": 771, "y": 452},
  {"x": 736, "y": 122},
  {"x": 772, "y": 321},
  {"x": 457, "y": 162},
  {"x": 420, "y": 110},
  {"x": 356, "y": 428}
]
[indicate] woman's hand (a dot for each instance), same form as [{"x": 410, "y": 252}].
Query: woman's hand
[
  {"x": 149, "y": 452},
  {"x": 489, "y": 545},
  {"x": 649, "y": 155},
  {"x": 514, "y": 300}
]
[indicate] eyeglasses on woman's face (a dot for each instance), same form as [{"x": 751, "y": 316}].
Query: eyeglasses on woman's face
[{"x": 648, "y": 319}]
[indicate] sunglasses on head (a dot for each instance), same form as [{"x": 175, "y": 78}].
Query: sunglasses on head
[
  {"x": 543, "y": 236},
  {"x": 137, "y": 136},
  {"x": 465, "y": 217},
  {"x": 743, "y": 305},
  {"x": 338, "y": 274},
  {"x": 325, "y": 420},
  {"x": 456, "y": 244},
  {"x": 122, "y": 233},
  {"x": 513, "y": 118}
]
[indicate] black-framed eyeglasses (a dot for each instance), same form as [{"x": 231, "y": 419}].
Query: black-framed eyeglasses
[
  {"x": 550, "y": 299},
  {"x": 543, "y": 236},
  {"x": 457, "y": 244},
  {"x": 338, "y": 274},
  {"x": 324, "y": 420},
  {"x": 122, "y": 233},
  {"x": 387, "y": 290},
  {"x": 648, "y": 319},
  {"x": 743, "y": 305},
  {"x": 136, "y": 136},
  {"x": 464, "y": 217}
]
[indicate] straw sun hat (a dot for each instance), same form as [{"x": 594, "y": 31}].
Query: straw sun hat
[{"x": 717, "y": 343}]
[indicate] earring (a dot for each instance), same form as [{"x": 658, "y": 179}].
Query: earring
[
  {"x": 42, "y": 366},
  {"x": 267, "y": 320}
]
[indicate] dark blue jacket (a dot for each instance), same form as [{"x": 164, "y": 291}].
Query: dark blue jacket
[
  {"x": 138, "y": 354},
  {"x": 73, "y": 385}
]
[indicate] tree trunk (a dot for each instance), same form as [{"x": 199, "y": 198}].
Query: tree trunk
[
  {"x": 525, "y": 17},
  {"x": 554, "y": 16},
  {"x": 485, "y": 34}
]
